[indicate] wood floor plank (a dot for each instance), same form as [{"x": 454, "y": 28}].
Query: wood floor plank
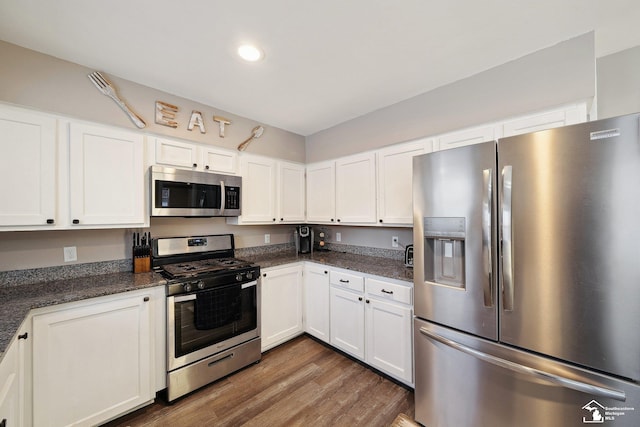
[{"x": 300, "y": 383}]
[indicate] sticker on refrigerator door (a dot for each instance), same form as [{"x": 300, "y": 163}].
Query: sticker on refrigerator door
[{"x": 595, "y": 413}]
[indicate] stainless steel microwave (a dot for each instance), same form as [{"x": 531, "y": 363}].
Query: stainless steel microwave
[{"x": 178, "y": 192}]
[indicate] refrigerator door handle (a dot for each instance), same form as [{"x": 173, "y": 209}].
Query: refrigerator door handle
[
  {"x": 507, "y": 238},
  {"x": 487, "y": 206},
  {"x": 584, "y": 387}
]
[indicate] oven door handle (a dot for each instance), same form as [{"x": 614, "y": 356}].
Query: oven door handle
[{"x": 184, "y": 298}]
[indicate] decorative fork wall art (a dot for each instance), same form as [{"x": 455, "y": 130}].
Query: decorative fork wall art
[{"x": 107, "y": 89}]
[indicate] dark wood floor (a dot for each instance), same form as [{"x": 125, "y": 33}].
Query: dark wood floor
[{"x": 300, "y": 383}]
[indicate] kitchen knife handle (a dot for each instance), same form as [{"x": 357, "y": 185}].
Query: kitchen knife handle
[
  {"x": 507, "y": 238},
  {"x": 570, "y": 383},
  {"x": 223, "y": 197},
  {"x": 487, "y": 208}
]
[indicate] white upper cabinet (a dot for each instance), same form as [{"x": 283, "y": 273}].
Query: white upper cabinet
[
  {"x": 395, "y": 179},
  {"x": 272, "y": 191},
  {"x": 106, "y": 176},
  {"x": 28, "y": 160},
  {"x": 186, "y": 155},
  {"x": 567, "y": 115},
  {"x": 356, "y": 189},
  {"x": 291, "y": 200},
  {"x": 466, "y": 137},
  {"x": 321, "y": 192}
]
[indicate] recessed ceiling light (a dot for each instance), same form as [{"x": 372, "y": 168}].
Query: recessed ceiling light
[{"x": 250, "y": 53}]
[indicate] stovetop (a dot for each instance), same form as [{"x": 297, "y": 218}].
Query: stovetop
[{"x": 203, "y": 268}]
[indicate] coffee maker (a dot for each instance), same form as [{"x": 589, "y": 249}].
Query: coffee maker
[{"x": 303, "y": 237}]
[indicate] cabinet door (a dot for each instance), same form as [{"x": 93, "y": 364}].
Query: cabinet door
[
  {"x": 466, "y": 137},
  {"x": 291, "y": 192},
  {"x": 258, "y": 189},
  {"x": 281, "y": 305},
  {"x": 395, "y": 182},
  {"x": 321, "y": 192},
  {"x": 316, "y": 301},
  {"x": 347, "y": 321},
  {"x": 10, "y": 388},
  {"x": 176, "y": 153},
  {"x": 546, "y": 120},
  {"x": 27, "y": 168},
  {"x": 220, "y": 161},
  {"x": 356, "y": 189},
  {"x": 388, "y": 338},
  {"x": 91, "y": 362},
  {"x": 106, "y": 176}
]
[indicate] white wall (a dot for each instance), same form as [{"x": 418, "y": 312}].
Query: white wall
[
  {"x": 558, "y": 75},
  {"x": 45, "y": 83},
  {"x": 619, "y": 83}
]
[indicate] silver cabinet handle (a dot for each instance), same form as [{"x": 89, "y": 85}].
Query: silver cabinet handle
[
  {"x": 487, "y": 208},
  {"x": 507, "y": 238},
  {"x": 516, "y": 367}
]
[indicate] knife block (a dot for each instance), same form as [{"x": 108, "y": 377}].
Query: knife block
[{"x": 142, "y": 264}]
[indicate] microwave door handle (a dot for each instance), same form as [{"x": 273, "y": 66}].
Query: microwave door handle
[{"x": 223, "y": 197}]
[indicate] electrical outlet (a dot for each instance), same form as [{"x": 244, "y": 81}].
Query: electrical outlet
[
  {"x": 267, "y": 238},
  {"x": 394, "y": 242},
  {"x": 338, "y": 237},
  {"x": 70, "y": 254}
]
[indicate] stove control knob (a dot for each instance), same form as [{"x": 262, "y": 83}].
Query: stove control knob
[
  {"x": 187, "y": 287},
  {"x": 200, "y": 284},
  {"x": 249, "y": 275},
  {"x": 239, "y": 277}
]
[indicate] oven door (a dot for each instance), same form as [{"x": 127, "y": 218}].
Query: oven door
[{"x": 231, "y": 316}]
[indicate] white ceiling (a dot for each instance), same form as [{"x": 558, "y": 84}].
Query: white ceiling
[{"x": 327, "y": 61}]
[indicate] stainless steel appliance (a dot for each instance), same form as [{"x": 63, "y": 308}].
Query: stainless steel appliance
[
  {"x": 303, "y": 236},
  {"x": 527, "y": 279},
  {"x": 213, "y": 310},
  {"x": 178, "y": 192},
  {"x": 408, "y": 256}
]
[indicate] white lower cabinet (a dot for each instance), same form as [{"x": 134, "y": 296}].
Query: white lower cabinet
[
  {"x": 10, "y": 388},
  {"x": 316, "y": 301},
  {"x": 281, "y": 305},
  {"x": 389, "y": 316},
  {"x": 371, "y": 319},
  {"x": 93, "y": 360}
]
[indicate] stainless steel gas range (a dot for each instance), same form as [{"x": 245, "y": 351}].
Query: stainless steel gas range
[{"x": 213, "y": 310}]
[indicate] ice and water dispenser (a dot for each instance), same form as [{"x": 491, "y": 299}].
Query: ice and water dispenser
[{"x": 444, "y": 240}]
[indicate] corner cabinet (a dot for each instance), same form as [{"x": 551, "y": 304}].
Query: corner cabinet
[
  {"x": 15, "y": 377},
  {"x": 316, "y": 301},
  {"x": 281, "y": 305},
  {"x": 106, "y": 176},
  {"x": 93, "y": 360},
  {"x": 28, "y": 166},
  {"x": 273, "y": 191}
]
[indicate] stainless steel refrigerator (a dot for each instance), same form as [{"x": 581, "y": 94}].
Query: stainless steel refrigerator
[{"x": 527, "y": 279}]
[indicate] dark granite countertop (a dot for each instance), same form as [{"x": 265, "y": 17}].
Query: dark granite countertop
[
  {"x": 18, "y": 300},
  {"x": 384, "y": 267}
]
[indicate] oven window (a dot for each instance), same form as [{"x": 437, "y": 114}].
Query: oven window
[
  {"x": 234, "y": 312},
  {"x": 171, "y": 194}
]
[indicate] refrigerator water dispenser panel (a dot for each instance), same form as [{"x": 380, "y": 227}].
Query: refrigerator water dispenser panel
[{"x": 444, "y": 240}]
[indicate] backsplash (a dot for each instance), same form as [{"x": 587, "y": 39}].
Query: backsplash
[{"x": 37, "y": 275}]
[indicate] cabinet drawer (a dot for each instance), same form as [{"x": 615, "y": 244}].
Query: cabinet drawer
[
  {"x": 389, "y": 291},
  {"x": 345, "y": 280}
]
